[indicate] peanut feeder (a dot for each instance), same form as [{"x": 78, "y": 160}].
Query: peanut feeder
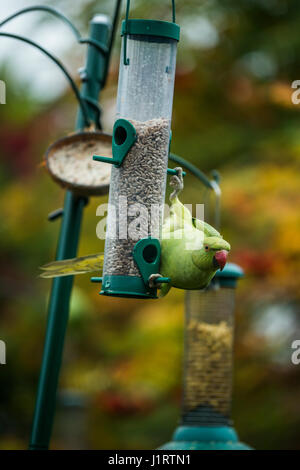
[{"x": 208, "y": 364}]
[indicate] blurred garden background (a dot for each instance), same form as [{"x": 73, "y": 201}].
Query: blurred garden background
[{"x": 120, "y": 384}]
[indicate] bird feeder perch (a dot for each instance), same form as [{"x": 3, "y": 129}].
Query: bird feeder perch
[{"x": 140, "y": 147}]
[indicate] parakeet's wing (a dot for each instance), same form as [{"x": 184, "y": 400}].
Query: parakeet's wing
[
  {"x": 209, "y": 231},
  {"x": 180, "y": 217},
  {"x": 69, "y": 267}
]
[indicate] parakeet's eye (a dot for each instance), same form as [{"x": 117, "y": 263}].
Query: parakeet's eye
[{"x": 206, "y": 247}]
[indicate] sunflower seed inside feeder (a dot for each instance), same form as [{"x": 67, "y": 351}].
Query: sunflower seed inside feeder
[{"x": 141, "y": 180}]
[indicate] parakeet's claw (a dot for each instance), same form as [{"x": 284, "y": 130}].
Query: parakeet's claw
[
  {"x": 152, "y": 281},
  {"x": 177, "y": 183}
]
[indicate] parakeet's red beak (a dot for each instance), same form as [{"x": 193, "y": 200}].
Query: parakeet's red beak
[{"x": 220, "y": 259}]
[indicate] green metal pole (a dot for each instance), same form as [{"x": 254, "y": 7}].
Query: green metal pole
[{"x": 58, "y": 312}]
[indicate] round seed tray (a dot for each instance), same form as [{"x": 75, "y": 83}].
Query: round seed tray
[{"x": 70, "y": 162}]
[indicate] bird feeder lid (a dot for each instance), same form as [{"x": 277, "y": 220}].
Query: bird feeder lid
[
  {"x": 156, "y": 28},
  {"x": 230, "y": 274}
]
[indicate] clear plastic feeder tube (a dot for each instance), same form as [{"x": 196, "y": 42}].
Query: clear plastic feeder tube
[
  {"x": 146, "y": 84},
  {"x": 137, "y": 187}
]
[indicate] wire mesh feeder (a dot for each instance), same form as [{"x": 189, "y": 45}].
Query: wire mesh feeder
[
  {"x": 70, "y": 163},
  {"x": 208, "y": 357},
  {"x": 208, "y": 366}
]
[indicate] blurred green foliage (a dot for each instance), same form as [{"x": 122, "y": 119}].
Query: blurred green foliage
[{"x": 121, "y": 380}]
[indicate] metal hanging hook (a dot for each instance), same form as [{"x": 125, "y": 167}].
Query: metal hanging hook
[
  {"x": 51, "y": 10},
  {"x": 101, "y": 48},
  {"x": 80, "y": 100}
]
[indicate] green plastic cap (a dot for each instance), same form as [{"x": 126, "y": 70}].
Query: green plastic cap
[
  {"x": 229, "y": 276},
  {"x": 165, "y": 29}
]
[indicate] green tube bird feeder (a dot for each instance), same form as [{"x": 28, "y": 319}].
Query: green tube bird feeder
[{"x": 140, "y": 149}]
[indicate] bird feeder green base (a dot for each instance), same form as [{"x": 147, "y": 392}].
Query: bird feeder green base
[
  {"x": 205, "y": 438},
  {"x": 127, "y": 286},
  {"x": 146, "y": 254}
]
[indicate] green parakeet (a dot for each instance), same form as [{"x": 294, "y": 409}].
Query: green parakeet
[
  {"x": 191, "y": 250},
  {"x": 191, "y": 253}
]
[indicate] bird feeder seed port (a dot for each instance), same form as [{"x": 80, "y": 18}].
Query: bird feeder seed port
[
  {"x": 140, "y": 148},
  {"x": 208, "y": 364}
]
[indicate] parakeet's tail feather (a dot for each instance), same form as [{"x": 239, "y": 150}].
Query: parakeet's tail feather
[
  {"x": 70, "y": 262},
  {"x": 70, "y": 267}
]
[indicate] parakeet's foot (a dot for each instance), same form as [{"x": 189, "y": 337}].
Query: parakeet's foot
[
  {"x": 177, "y": 183},
  {"x": 152, "y": 279},
  {"x": 163, "y": 287}
]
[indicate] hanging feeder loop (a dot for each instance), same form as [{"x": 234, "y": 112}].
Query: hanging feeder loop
[
  {"x": 125, "y": 30},
  {"x": 102, "y": 48},
  {"x": 47, "y": 9}
]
